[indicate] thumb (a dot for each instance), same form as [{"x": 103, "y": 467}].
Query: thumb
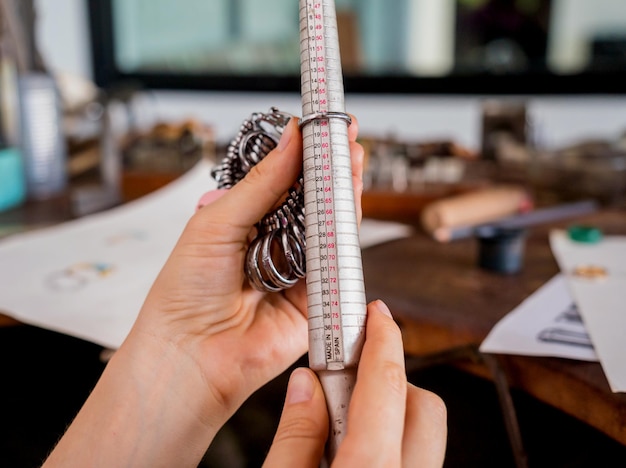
[
  {"x": 267, "y": 182},
  {"x": 303, "y": 426}
]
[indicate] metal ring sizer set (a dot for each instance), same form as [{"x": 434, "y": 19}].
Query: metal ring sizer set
[{"x": 276, "y": 257}]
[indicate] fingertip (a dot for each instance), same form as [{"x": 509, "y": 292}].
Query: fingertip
[
  {"x": 301, "y": 386},
  {"x": 303, "y": 426},
  {"x": 381, "y": 307},
  {"x": 289, "y": 131},
  {"x": 210, "y": 197}
]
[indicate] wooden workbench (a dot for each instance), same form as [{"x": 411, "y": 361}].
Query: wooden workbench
[{"x": 444, "y": 302}]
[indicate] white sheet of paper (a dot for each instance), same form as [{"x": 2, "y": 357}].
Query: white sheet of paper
[
  {"x": 89, "y": 277},
  {"x": 373, "y": 232},
  {"x": 601, "y": 301},
  {"x": 545, "y": 324}
]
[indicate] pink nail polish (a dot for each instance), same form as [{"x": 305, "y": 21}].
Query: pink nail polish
[{"x": 209, "y": 197}]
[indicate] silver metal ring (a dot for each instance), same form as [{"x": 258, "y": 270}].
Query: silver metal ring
[
  {"x": 293, "y": 253},
  {"x": 253, "y": 270},
  {"x": 279, "y": 279},
  {"x": 307, "y": 119}
]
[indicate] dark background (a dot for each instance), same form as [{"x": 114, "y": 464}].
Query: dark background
[{"x": 46, "y": 376}]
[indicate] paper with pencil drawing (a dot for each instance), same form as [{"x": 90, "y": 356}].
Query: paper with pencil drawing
[
  {"x": 88, "y": 278},
  {"x": 546, "y": 324}
]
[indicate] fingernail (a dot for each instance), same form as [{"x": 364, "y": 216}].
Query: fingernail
[
  {"x": 300, "y": 387},
  {"x": 286, "y": 137},
  {"x": 382, "y": 307},
  {"x": 210, "y": 197}
]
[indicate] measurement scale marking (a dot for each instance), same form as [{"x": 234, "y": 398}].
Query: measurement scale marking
[
  {"x": 334, "y": 275},
  {"x": 320, "y": 168}
]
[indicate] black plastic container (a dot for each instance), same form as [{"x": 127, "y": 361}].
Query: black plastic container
[{"x": 501, "y": 249}]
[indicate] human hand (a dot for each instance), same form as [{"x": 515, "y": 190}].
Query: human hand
[
  {"x": 391, "y": 423},
  {"x": 201, "y": 303},
  {"x": 204, "y": 340}
]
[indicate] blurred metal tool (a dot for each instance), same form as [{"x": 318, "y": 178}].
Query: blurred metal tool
[{"x": 531, "y": 218}]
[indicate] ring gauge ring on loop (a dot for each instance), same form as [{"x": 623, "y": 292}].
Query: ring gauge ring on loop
[
  {"x": 258, "y": 135},
  {"x": 261, "y": 146},
  {"x": 293, "y": 253},
  {"x": 253, "y": 269},
  {"x": 277, "y": 278},
  {"x": 324, "y": 116}
]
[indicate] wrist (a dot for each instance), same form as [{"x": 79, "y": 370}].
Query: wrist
[
  {"x": 147, "y": 389},
  {"x": 166, "y": 373}
]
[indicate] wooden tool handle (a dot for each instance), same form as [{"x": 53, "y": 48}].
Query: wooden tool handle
[{"x": 473, "y": 208}]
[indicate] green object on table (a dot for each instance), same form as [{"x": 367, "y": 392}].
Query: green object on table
[{"x": 585, "y": 234}]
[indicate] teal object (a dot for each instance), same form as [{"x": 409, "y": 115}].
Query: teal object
[
  {"x": 12, "y": 183},
  {"x": 585, "y": 234}
]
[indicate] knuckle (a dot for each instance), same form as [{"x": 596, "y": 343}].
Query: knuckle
[
  {"x": 395, "y": 377},
  {"x": 436, "y": 405},
  {"x": 430, "y": 403},
  {"x": 262, "y": 177},
  {"x": 300, "y": 428},
  {"x": 256, "y": 175},
  {"x": 389, "y": 332}
]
